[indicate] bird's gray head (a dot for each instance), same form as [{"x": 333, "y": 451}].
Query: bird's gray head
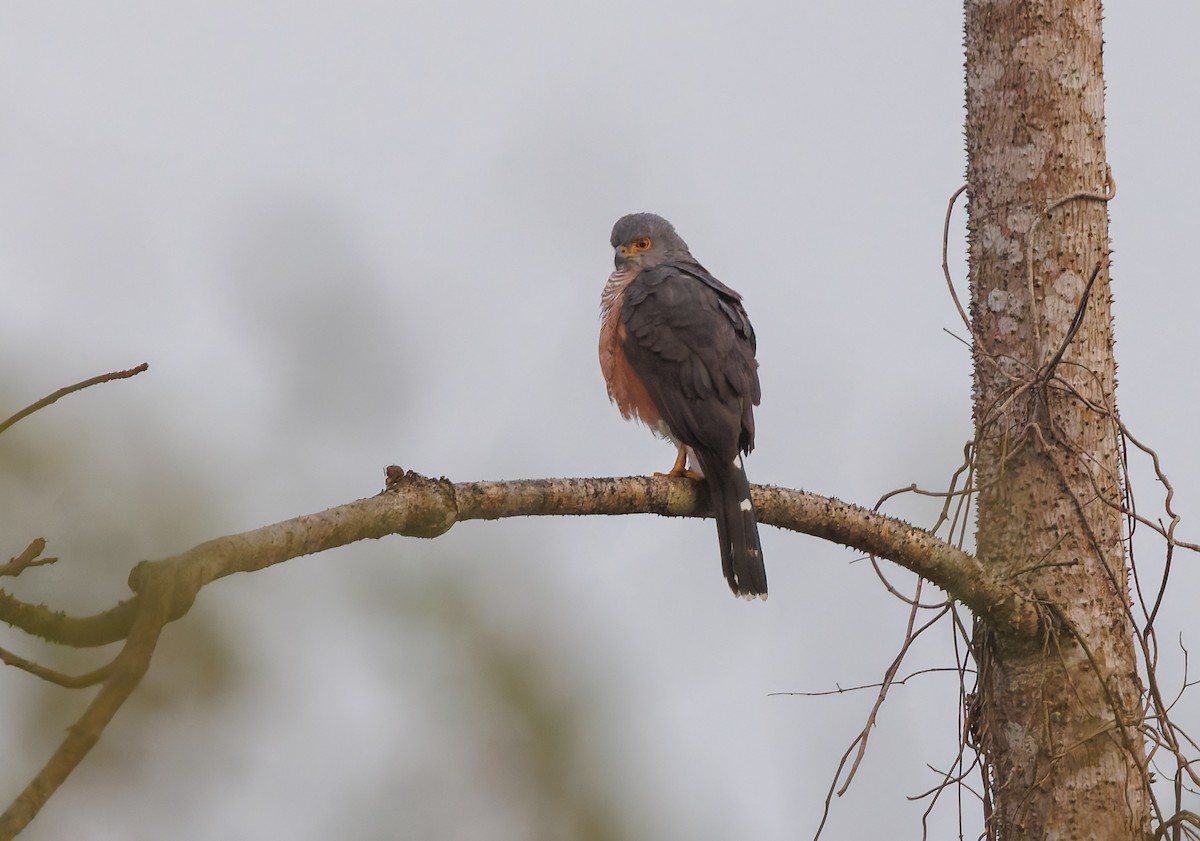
[{"x": 644, "y": 240}]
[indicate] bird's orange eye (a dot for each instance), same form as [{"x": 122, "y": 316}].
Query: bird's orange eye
[{"x": 641, "y": 244}]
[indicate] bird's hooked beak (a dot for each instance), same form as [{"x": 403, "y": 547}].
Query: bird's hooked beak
[{"x": 624, "y": 255}]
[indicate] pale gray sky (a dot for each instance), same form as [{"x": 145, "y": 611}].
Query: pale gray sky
[{"x": 352, "y": 234}]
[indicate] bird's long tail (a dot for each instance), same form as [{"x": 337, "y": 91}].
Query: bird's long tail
[{"x": 737, "y": 524}]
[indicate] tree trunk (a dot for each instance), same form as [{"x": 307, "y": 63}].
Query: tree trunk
[{"x": 1056, "y": 718}]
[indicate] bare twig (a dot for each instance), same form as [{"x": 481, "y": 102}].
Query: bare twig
[
  {"x": 1176, "y": 822},
  {"x": 887, "y": 585},
  {"x": 1110, "y": 193},
  {"x": 948, "y": 778},
  {"x": 71, "y": 389},
  {"x": 28, "y": 558},
  {"x": 125, "y": 673},
  {"x": 946, "y": 260},
  {"x": 1076, "y": 323},
  {"x": 909, "y": 637},
  {"x": 860, "y": 741},
  {"x": 52, "y": 676},
  {"x": 842, "y": 690},
  {"x": 1169, "y": 532}
]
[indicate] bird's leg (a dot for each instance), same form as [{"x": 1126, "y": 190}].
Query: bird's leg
[{"x": 680, "y": 467}]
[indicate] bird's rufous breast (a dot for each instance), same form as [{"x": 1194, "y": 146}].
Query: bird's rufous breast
[{"x": 624, "y": 387}]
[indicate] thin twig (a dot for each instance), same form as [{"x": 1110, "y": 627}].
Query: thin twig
[
  {"x": 909, "y": 637},
  {"x": 1076, "y": 323},
  {"x": 1110, "y": 193},
  {"x": 860, "y": 741},
  {"x": 51, "y": 676},
  {"x": 883, "y": 579},
  {"x": 125, "y": 673},
  {"x": 946, "y": 260},
  {"x": 948, "y": 778},
  {"x": 28, "y": 558},
  {"x": 71, "y": 389},
  {"x": 842, "y": 690},
  {"x": 1176, "y": 821}
]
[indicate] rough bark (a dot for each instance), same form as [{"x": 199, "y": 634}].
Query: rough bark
[{"x": 1057, "y": 715}]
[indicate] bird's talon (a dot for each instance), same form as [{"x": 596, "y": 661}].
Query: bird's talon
[
  {"x": 682, "y": 473},
  {"x": 680, "y": 468}
]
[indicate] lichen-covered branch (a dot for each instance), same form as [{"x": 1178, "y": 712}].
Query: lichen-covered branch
[
  {"x": 958, "y": 573},
  {"x": 416, "y": 506}
]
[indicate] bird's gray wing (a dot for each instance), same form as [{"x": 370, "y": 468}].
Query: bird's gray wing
[{"x": 688, "y": 339}]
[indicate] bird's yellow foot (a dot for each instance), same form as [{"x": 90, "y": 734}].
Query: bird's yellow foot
[{"x": 680, "y": 468}]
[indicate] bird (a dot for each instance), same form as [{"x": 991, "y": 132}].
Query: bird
[{"x": 678, "y": 353}]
